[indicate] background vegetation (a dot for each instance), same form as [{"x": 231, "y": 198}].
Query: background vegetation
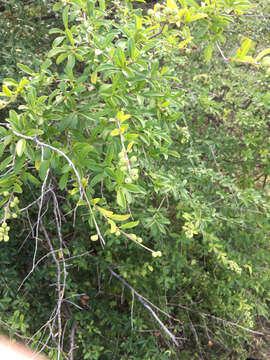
[{"x": 134, "y": 172}]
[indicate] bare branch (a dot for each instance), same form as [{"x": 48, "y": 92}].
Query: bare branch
[
  {"x": 145, "y": 302},
  {"x": 218, "y": 319},
  {"x": 157, "y": 34}
]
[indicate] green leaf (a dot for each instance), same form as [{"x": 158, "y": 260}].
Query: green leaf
[
  {"x": 96, "y": 179},
  {"x": 20, "y": 147},
  {"x": 17, "y": 188},
  {"x": 174, "y": 153},
  {"x": 61, "y": 58},
  {"x": 120, "y": 199},
  {"x": 208, "y": 52},
  {"x": 102, "y": 5},
  {"x": 129, "y": 225},
  {"x": 131, "y": 48},
  {"x": 19, "y": 164},
  {"x": 65, "y": 16},
  {"x": 63, "y": 181},
  {"x": 134, "y": 188},
  {"x": 44, "y": 166},
  {"x": 32, "y": 179},
  {"x": 4, "y": 163},
  {"x": 25, "y": 69},
  {"x": 70, "y": 37},
  {"x": 54, "y": 52}
]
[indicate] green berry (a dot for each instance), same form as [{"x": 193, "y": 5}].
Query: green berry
[
  {"x": 123, "y": 161},
  {"x": 124, "y": 168},
  {"x": 167, "y": 11},
  {"x": 128, "y": 180},
  {"x": 12, "y": 204},
  {"x": 14, "y": 216},
  {"x": 6, "y": 238},
  {"x": 8, "y": 216},
  {"x": 134, "y": 171},
  {"x": 117, "y": 233},
  {"x": 94, "y": 237},
  {"x": 133, "y": 159},
  {"x": 5, "y": 193},
  {"x": 4, "y": 225}
]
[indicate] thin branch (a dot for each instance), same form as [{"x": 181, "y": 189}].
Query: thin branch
[
  {"x": 36, "y": 201},
  {"x": 145, "y": 302},
  {"x": 218, "y": 319},
  {"x": 157, "y": 34},
  {"x": 81, "y": 188},
  {"x": 72, "y": 336},
  {"x": 223, "y": 56}
]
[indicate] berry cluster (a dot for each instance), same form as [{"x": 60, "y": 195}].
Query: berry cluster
[
  {"x": 125, "y": 163},
  {"x": 4, "y": 229},
  {"x": 163, "y": 13}
]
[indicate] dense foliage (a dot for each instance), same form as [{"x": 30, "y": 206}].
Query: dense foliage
[{"x": 134, "y": 165}]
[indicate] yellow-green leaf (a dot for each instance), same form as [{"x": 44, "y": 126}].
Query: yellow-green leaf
[
  {"x": 104, "y": 211},
  {"x": 171, "y": 4},
  {"x": 20, "y": 147},
  {"x": 113, "y": 226},
  {"x": 184, "y": 42},
  {"x": 94, "y": 237},
  {"x": 6, "y": 91},
  {"x": 94, "y": 77},
  {"x": 138, "y": 22},
  {"x": 262, "y": 54},
  {"x": 246, "y": 44},
  {"x": 156, "y": 253},
  {"x": 122, "y": 117},
  {"x": 197, "y": 17},
  {"x": 94, "y": 201},
  {"x": 119, "y": 217},
  {"x": 130, "y": 146},
  {"x": 115, "y": 132},
  {"x": 129, "y": 225},
  {"x": 81, "y": 202}
]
